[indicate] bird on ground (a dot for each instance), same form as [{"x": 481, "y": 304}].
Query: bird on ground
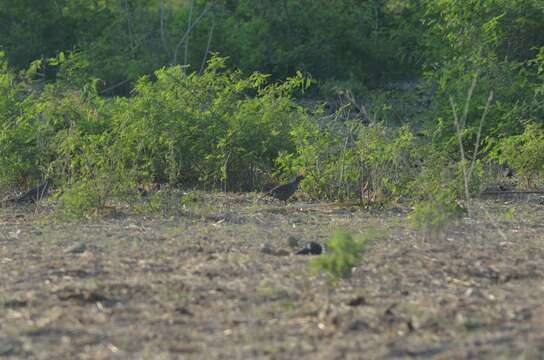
[
  {"x": 311, "y": 248},
  {"x": 33, "y": 195},
  {"x": 285, "y": 191}
]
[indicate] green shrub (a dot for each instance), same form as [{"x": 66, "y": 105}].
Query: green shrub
[
  {"x": 486, "y": 40},
  {"x": 326, "y": 154},
  {"x": 436, "y": 211},
  {"x": 347, "y": 160},
  {"x": 11, "y": 135},
  {"x": 205, "y": 129},
  {"x": 343, "y": 252},
  {"x": 524, "y": 153},
  {"x": 391, "y": 159},
  {"x": 219, "y": 129},
  {"x": 52, "y": 137},
  {"x": 80, "y": 198}
]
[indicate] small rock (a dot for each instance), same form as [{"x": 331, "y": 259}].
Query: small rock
[
  {"x": 76, "y": 248},
  {"x": 267, "y": 249},
  {"x": 357, "y": 301},
  {"x": 292, "y": 242},
  {"x": 311, "y": 248},
  {"x": 281, "y": 252},
  {"x": 10, "y": 347},
  {"x": 358, "y": 325}
]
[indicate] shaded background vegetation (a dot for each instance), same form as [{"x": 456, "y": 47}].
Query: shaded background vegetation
[{"x": 108, "y": 94}]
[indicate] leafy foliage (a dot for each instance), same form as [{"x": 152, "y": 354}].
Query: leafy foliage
[
  {"x": 188, "y": 128},
  {"x": 186, "y": 119},
  {"x": 346, "y": 160},
  {"x": 343, "y": 253},
  {"x": 180, "y": 129},
  {"x": 524, "y": 153},
  {"x": 128, "y": 39},
  {"x": 436, "y": 211}
]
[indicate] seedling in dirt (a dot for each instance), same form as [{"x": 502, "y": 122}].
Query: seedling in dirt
[
  {"x": 343, "y": 253},
  {"x": 509, "y": 214}
]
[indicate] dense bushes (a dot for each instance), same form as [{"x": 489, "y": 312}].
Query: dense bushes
[
  {"x": 524, "y": 153},
  {"x": 349, "y": 160},
  {"x": 219, "y": 129},
  {"x": 497, "y": 42},
  {"x": 232, "y": 129}
]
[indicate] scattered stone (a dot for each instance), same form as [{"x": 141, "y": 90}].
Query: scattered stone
[
  {"x": 183, "y": 311},
  {"x": 10, "y": 346},
  {"x": 15, "y": 303},
  {"x": 76, "y": 248},
  {"x": 268, "y": 250},
  {"x": 292, "y": 242},
  {"x": 311, "y": 248},
  {"x": 358, "y": 325},
  {"x": 14, "y": 234},
  {"x": 357, "y": 301}
]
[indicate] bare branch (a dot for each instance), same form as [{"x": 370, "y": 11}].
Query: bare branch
[
  {"x": 163, "y": 37},
  {"x": 477, "y": 144},
  {"x": 189, "y": 21},
  {"x": 129, "y": 23},
  {"x": 469, "y": 97},
  {"x": 114, "y": 86},
  {"x": 184, "y": 37},
  {"x": 205, "y": 58},
  {"x": 461, "y": 148},
  {"x": 460, "y": 125}
]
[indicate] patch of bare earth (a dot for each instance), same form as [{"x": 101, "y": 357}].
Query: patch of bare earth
[{"x": 200, "y": 285}]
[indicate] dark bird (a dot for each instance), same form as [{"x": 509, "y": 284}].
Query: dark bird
[
  {"x": 33, "y": 195},
  {"x": 285, "y": 191},
  {"x": 311, "y": 248}
]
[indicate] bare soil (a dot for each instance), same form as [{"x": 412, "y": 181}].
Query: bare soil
[{"x": 216, "y": 279}]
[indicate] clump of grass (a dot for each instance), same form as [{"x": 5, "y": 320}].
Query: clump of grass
[
  {"x": 80, "y": 198},
  {"x": 174, "y": 202},
  {"x": 436, "y": 212},
  {"x": 343, "y": 253},
  {"x": 524, "y": 153}
]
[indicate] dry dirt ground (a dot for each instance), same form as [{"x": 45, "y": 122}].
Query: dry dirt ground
[{"x": 216, "y": 279}]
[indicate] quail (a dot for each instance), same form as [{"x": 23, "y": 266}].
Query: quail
[
  {"x": 310, "y": 248},
  {"x": 33, "y": 195},
  {"x": 285, "y": 191}
]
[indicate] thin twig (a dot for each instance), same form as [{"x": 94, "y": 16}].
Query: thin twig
[
  {"x": 115, "y": 86},
  {"x": 341, "y": 177},
  {"x": 477, "y": 144},
  {"x": 469, "y": 97},
  {"x": 205, "y": 58},
  {"x": 163, "y": 37},
  {"x": 361, "y": 108},
  {"x": 494, "y": 223},
  {"x": 129, "y": 23},
  {"x": 189, "y": 21},
  {"x": 184, "y": 37},
  {"x": 461, "y": 148}
]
